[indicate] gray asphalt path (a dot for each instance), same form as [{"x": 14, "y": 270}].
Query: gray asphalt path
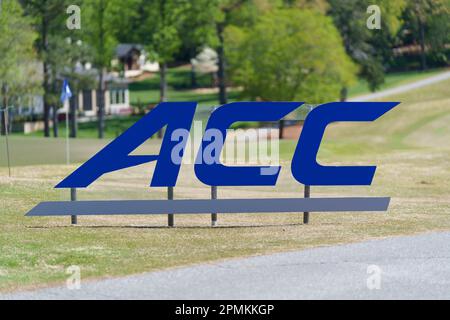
[
  {"x": 404, "y": 88},
  {"x": 415, "y": 267}
]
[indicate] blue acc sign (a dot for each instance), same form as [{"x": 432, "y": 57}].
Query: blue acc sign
[{"x": 178, "y": 116}]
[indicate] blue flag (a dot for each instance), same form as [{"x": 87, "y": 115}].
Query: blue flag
[{"x": 66, "y": 93}]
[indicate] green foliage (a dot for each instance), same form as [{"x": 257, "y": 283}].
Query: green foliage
[
  {"x": 98, "y": 30},
  {"x": 16, "y": 46},
  {"x": 424, "y": 10},
  {"x": 146, "y": 93},
  {"x": 126, "y": 19},
  {"x": 370, "y": 49},
  {"x": 160, "y": 24},
  {"x": 435, "y": 17},
  {"x": 204, "y": 16},
  {"x": 320, "y": 5},
  {"x": 58, "y": 47},
  {"x": 178, "y": 78},
  {"x": 48, "y": 17},
  {"x": 391, "y": 12},
  {"x": 290, "y": 55}
]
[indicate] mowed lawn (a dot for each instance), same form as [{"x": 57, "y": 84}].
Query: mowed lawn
[
  {"x": 410, "y": 146},
  {"x": 145, "y": 93}
]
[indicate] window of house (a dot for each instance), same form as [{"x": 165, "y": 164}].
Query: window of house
[
  {"x": 118, "y": 97},
  {"x": 87, "y": 100}
]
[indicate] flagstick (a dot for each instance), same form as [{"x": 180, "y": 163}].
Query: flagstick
[
  {"x": 66, "y": 94},
  {"x": 73, "y": 194},
  {"x": 6, "y": 115},
  {"x": 67, "y": 134}
]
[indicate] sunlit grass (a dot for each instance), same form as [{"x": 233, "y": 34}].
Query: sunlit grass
[{"x": 409, "y": 145}]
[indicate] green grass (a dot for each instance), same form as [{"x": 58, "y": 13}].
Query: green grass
[
  {"x": 409, "y": 145},
  {"x": 146, "y": 93},
  {"x": 392, "y": 80},
  {"x": 205, "y": 100},
  {"x": 114, "y": 126},
  {"x": 178, "y": 78}
]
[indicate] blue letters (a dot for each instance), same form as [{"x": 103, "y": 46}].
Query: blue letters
[
  {"x": 305, "y": 168},
  {"x": 216, "y": 174},
  {"x": 179, "y": 116},
  {"x": 115, "y": 156}
]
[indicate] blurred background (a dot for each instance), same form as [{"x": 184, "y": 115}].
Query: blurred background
[{"x": 121, "y": 58}]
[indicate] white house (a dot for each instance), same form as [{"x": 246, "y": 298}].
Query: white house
[
  {"x": 134, "y": 60},
  {"x": 117, "y": 99}
]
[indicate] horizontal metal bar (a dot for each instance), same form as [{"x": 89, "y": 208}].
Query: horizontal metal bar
[{"x": 140, "y": 207}]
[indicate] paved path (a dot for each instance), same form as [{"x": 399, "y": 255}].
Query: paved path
[
  {"x": 415, "y": 267},
  {"x": 404, "y": 88}
]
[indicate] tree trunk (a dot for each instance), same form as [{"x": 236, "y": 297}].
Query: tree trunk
[
  {"x": 101, "y": 68},
  {"x": 73, "y": 115},
  {"x": 46, "y": 85},
  {"x": 221, "y": 73},
  {"x": 55, "y": 121},
  {"x": 193, "y": 73},
  {"x": 3, "y": 123},
  {"x": 163, "y": 83},
  {"x": 46, "y": 118},
  {"x": 281, "y": 129},
  {"x": 344, "y": 94},
  {"x": 5, "y": 126},
  {"x": 193, "y": 79},
  {"x": 10, "y": 115},
  {"x": 3, "y": 112},
  {"x": 423, "y": 55},
  {"x": 162, "y": 88},
  {"x": 101, "y": 106}
]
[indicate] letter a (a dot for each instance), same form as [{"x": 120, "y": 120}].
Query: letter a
[{"x": 115, "y": 156}]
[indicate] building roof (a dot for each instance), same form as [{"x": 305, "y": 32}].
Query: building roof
[{"x": 124, "y": 49}]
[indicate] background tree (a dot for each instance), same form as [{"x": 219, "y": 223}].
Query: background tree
[
  {"x": 48, "y": 19},
  {"x": 429, "y": 22},
  {"x": 79, "y": 78},
  {"x": 17, "y": 71},
  {"x": 68, "y": 53},
  {"x": 58, "y": 51},
  {"x": 208, "y": 20},
  {"x": 161, "y": 33},
  {"x": 438, "y": 34},
  {"x": 290, "y": 55},
  {"x": 157, "y": 25},
  {"x": 350, "y": 17},
  {"x": 98, "y": 31},
  {"x": 320, "y": 5}
]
